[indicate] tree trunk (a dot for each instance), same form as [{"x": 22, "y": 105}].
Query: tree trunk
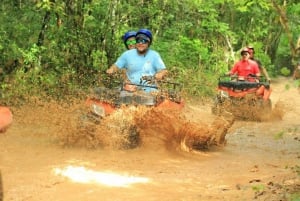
[
  {"x": 43, "y": 29},
  {"x": 284, "y": 22}
]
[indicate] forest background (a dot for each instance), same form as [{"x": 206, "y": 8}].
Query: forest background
[{"x": 59, "y": 48}]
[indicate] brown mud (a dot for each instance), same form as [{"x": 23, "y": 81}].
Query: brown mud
[{"x": 47, "y": 154}]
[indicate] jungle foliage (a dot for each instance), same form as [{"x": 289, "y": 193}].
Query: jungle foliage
[{"x": 62, "y": 47}]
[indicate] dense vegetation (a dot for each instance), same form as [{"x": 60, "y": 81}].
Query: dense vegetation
[{"x": 61, "y": 47}]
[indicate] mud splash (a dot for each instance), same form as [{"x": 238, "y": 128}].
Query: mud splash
[
  {"x": 175, "y": 131},
  {"x": 249, "y": 109},
  {"x": 129, "y": 127}
]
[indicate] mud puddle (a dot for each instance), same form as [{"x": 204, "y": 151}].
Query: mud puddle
[{"x": 260, "y": 160}]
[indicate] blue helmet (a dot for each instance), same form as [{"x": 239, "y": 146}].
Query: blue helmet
[
  {"x": 128, "y": 34},
  {"x": 144, "y": 32}
]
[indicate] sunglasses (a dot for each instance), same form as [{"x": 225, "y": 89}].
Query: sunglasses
[
  {"x": 130, "y": 42},
  {"x": 143, "y": 41},
  {"x": 245, "y": 53}
]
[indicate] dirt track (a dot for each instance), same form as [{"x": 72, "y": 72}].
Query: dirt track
[{"x": 259, "y": 162}]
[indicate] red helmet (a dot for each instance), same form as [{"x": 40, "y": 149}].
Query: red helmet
[
  {"x": 251, "y": 49},
  {"x": 245, "y": 50}
]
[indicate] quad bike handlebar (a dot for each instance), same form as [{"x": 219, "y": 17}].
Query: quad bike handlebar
[
  {"x": 251, "y": 81},
  {"x": 150, "y": 79},
  {"x": 151, "y": 82}
]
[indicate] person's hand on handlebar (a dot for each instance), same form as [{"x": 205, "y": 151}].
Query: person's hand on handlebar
[
  {"x": 112, "y": 70},
  {"x": 161, "y": 74},
  {"x": 149, "y": 79}
]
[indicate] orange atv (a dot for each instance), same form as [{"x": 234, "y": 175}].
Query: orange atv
[
  {"x": 105, "y": 101},
  {"x": 247, "y": 99},
  {"x": 115, "y": 105}
]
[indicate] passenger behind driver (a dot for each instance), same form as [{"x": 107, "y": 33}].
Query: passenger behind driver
[
  {"x": 260, "y": 66},
  {"x": 129, "y": 40}
]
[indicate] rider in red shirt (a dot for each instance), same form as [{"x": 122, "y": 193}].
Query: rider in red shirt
[{"x": 245, "y": 67}]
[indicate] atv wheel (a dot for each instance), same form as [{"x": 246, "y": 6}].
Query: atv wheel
[
  {"x": 132, "y": 138},
  {"x": 221, "y": 105},
  {"x": 265, "y": 109},
  {"x": 123, "y": 133},
  {"x": 217, "y": 106}
]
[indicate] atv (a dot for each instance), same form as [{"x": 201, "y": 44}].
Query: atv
[
  {"x": 112, "y": 107},
  {"x": 247, "y": 99},
  {"x": 122, "y": 115},
  {"x": 104, "y": 101}
]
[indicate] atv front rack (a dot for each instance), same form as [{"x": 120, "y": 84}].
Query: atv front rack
[{"x": 235, "y": 84}]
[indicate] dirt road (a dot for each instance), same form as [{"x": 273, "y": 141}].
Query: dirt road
[{"x": 260, "y": 161}]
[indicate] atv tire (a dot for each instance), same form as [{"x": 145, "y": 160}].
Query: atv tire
[
  {"x": 217, "y": 106},
  {"x": 220, "y": 106}
]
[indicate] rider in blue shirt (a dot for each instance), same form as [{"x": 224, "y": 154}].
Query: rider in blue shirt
[{"x": 141, "y": 61}]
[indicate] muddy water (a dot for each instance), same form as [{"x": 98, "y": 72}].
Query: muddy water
[
  {"x": 131, "y": 127},
  {"x": 44, "y": 155}
]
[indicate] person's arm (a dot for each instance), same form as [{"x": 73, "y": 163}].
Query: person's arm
[
  {"x": 159, "y": 66},
  {"x": 234, "y": 69},
  {"x": 257, "y": 72},
  {"x": 112, "y": 69},
  {"x": 262, "y": 69},
  {"x": 119, "y": 64},
  {"x": 265, "y": 73}
]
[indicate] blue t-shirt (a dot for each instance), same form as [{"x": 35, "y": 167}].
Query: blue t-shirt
[{"x": 140, "y": 65}]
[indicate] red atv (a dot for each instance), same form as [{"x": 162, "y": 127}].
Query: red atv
[{"x": 247, "y": 99}]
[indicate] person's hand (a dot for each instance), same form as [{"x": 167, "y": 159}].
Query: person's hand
[
  {"x": 129, "y": 87},
  {"x": 159, "y": 76},
  {"x": 110, "y": 71}
]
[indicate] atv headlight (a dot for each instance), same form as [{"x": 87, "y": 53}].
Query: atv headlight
[
  {"x": 98, "y": 110},
  {"x": 224, "y": 94}
]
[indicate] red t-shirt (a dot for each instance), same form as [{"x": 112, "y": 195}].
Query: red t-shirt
[{"x": 244, "y": 68}]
